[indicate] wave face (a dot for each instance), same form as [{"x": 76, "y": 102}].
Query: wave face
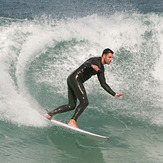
[{"x": 37, "y": 55}]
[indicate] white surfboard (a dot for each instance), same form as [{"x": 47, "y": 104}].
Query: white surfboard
[{"x": 79, "y": 131}]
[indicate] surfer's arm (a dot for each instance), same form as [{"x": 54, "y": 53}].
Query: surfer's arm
[
  {"x": 104, "y": 85},
  {"x": 95, "y": 67},
  {"x": 92, "y": 63},
  {"x": 89, "y": 64}
]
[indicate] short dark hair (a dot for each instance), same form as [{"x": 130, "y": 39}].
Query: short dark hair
[{"x": 106, "y": 51}]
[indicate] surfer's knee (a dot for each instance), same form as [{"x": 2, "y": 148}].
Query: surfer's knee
[
  {"x": 84, "y": 103},
  {"x": 71, "y": 106}
]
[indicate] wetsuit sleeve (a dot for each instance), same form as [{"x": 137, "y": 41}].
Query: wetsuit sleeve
[
  {"x": 87, "y": 63},
  {"x": 92, "y": 61},
  {"x": 103, "y": 83}
]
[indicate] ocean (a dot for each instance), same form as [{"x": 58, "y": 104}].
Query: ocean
[{"x": 42, "y": 42}]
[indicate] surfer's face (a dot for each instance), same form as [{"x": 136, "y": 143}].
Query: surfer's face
[{"x": 108, "y": 58}]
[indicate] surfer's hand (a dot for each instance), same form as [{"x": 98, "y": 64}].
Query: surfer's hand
[
  {"x": 95, "y": 67},
  {"x": 119, "y": 94}
]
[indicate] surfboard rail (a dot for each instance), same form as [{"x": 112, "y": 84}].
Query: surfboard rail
[{"x": 78, "y": 130}]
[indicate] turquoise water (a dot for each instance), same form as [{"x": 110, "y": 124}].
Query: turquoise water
[{"x": 40, "y": 48}]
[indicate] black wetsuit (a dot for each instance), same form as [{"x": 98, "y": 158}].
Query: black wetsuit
[{"x": 76, "y": 88}]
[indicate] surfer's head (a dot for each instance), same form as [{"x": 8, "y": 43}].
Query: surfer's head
[
  {"x": 107, "y": 51},
  {"x": 107, "y": 56}
]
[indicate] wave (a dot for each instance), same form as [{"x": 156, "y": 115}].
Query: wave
[{"x": 37, "y": 55}]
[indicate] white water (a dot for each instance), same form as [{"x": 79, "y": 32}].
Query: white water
[{"x": 23, "y": 42}]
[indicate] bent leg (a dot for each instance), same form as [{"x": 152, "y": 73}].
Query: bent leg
[
  {"x": 70, "y": 106},
  {"x": 82, "y": 96}
]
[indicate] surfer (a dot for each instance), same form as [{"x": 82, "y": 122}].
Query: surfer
[{"x": 76, "y": 90}]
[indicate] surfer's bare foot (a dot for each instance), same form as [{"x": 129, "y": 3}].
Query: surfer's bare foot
[
  {"x": 72, "y": 123},
  {"x": 47, "y": 116}
]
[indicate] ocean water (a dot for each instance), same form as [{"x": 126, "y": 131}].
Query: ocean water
[{"x": 42, "y": 42}]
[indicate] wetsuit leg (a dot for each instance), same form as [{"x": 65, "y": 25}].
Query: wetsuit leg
[
  {"x": 80, "y": 93},
  {"x": 76, "y": 91},
  {"x": 70, "y": 106}
]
